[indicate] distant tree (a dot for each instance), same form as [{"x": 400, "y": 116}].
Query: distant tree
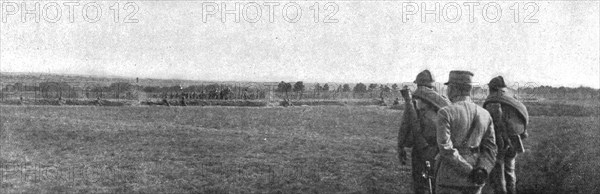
[
  {"x": 208, "y": 88},
  {"x": 18, "y": 86},
  {"x": 284, "y": 87},
  {"x": 299, "y": 88},
  {"x": 326, "y": 87},
  {"x": 318, "y": 87},
  {"x": 281, "y": 87},
  {"x": 372, "y": 87},
  {"x": 193, "y": 88},
  {"x": 288, "y": 88},
  {"x": 120, "y": 86},
  {"x": 360, "y": 88},
  {"x": 346, "y": 88},
  {"x": 339, "y": 88},
  {"x": 395, "y": 87},
  {"x": 97, "y": 90},
  {"x": 383, "y": 90},
  {"x": 52, "y": 89},
  {"x": 386, "y": 89},
  {"x": 150, "y": 89}
]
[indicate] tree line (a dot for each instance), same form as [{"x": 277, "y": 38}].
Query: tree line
[{"x": 284, "y": 89}]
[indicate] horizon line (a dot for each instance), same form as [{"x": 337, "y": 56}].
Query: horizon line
[{"x": 254, "y": 81}]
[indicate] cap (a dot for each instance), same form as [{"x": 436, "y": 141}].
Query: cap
[{"x": 460, "y": 77}]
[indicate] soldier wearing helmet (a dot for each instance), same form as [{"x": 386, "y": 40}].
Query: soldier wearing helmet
[
  {"x": 510, "y": 121},
  {"x": 418, "y": 130}
]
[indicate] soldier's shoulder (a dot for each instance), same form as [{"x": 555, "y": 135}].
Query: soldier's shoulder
[
  {"x": 451, "y": 108},
  {"x": 482, "y": 110},
  {"x": 444, "y": 109},
  {"x": 483, "y": 114}
]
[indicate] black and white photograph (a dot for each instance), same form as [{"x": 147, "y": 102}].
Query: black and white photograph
[{"x": 311, "y": 96}]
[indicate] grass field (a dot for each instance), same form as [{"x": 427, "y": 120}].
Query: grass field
[{"x": 316, "y": 149}]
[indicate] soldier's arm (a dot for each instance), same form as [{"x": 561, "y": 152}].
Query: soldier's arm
[
  {"x": 488, "y": 149},
  {"x": 447, "y": 151}
]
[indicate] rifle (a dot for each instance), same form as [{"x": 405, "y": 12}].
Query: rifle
[
  {"x": 416, "y": 140},
  {"x": 403, "y": 133}
]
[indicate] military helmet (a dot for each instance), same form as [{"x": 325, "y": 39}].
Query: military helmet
[
  {"x": 424, "y": 79},
  {"x": 497, "y": 82}
]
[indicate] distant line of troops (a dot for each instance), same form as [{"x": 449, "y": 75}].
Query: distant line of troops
[
  {"x": 457, "y": 145},
  {"x": 223, "y": 94}
]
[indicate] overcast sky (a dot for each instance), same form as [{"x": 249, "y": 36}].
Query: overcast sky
[{"x": 369, "y": 43}]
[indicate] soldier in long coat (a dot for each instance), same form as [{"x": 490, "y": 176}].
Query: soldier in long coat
[
  {"x": 418, "y": 130},
  {"x": 510, "y": 121},
  {"x": 465, "y": 138}
]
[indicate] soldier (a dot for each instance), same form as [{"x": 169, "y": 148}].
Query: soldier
[
  {"x": 510, "y": 119},
  {"x": 165, "y": 102},
  {"x": 465, "y": 138},
  {"x": 60, "y": 101},
  {"x": 418, "y": 130},
  {"x": 182, "y": 101},
  {"x": 98, "y": 102},
  {"x": 396, "y": 102},
  {"x": 245, "y": 94}
]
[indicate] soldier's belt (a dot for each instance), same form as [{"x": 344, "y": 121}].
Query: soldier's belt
[{"x": 468, "y": 150}]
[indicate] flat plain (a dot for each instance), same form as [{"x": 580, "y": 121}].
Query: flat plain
[{"x": 302, "y": 149}]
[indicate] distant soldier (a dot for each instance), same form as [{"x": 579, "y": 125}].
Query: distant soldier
[
  {"x": 510, "y": 121},
  {"x": 397, "y": 101},
  {"x": 165, "y": 102},
  {"x": 98, "y": 102},
  {"x": 183, "y": 101},
  {"x": 465, "y": 137},
  {"x": 418, "y": 130},
  {"x": 20, "y": 100},
  {"x": 286, "y": 103},
  {"x": 60, "y": 101},
  {"x": 225, "y": 93}
]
